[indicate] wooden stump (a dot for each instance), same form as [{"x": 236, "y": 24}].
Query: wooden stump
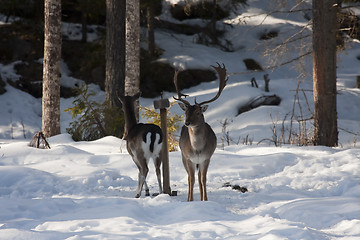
[{"x": 39, "y": 141}]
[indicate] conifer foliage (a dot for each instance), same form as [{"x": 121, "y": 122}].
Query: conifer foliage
[{"x": 93, "y": 120}]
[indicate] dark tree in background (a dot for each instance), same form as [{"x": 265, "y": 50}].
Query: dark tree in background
[
  {"x": 324, "y": 72},
  {"x": 150, "y": 27},
  {"x": 115, "y": 50},
  {"x": 51, "y": 69}
]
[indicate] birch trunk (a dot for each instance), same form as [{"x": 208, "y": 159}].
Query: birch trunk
[
  {"x": 51, "y": 69},
  {"x": 132, "y": 65}
]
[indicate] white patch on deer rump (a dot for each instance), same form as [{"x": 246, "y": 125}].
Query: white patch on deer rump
[
  {"x": 157, "y": 146},
  {"x": 147, "y": 144}
]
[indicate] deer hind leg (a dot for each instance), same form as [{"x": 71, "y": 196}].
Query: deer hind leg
[
  {"x": 157, "y": 163},
  {"x": 143, "y": 171},
  {"x": 203, "y": 167},
  {"x": 147, "y": 191}
]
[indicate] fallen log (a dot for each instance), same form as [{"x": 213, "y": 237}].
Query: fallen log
[{"x": 269, "y": 100}]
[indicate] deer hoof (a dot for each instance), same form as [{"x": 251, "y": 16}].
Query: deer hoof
[
  {"x": 137, "y": 195},
  {"x": 147, "y": 193}
]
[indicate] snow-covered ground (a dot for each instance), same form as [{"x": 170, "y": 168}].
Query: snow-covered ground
[{"x": 85, "y": 190}]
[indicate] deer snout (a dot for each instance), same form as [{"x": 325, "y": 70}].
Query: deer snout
[{"x": 187, "y": 123}]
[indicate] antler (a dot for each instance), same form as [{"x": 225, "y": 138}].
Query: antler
[
  {"x": 180, "y": 95},
  {"x": 221, "y": 71}
]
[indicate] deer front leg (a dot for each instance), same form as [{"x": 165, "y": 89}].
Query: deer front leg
[
  {"x": 191, "y": 182},
  {"x": 200, "y": 185},
  {"x": 203, "y": 167},
  {"x": 190, "y": 168}
]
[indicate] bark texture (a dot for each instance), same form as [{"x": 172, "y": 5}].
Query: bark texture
[
  {"x": 115, "y": 50},
  {"x": 324, "y": 72},
  {"x": 150, "y": 27},
  {"x": 132, "y": 59},
  {"x": 132, "y": 74},
  {"x": 51, "y": 69}
]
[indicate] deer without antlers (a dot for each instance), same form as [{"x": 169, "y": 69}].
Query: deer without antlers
[
  {"x": 197, "y": 139},
  {"x": 143, "y": 141}
]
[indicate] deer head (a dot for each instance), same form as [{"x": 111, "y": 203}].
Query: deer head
[{"x": 194, "y": 113}]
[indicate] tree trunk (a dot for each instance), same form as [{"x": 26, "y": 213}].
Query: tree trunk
[
  {"x": 84, "y": 25},
  {"x": 51, "y": 69},
  {"x": 324, "y": 72},
  {"x": 150, "y": 26},
  {"x": 115, "y": 51},
  {"x": 132, "y": 73},
  {"x": 38, "y": 11},
  {"x": 213, "y": 18}
]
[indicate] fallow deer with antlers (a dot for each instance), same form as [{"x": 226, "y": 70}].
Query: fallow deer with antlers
[
  {"x": 143, "y": 141},
  {"x": 197, "y": 139}
]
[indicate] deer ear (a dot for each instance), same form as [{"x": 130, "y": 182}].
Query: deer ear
[
  {"x": 183, "y": 106},
  {"x": 204, "y": 108}
]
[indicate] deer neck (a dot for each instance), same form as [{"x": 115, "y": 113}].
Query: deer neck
[
  {"x": 197, "y": 135},
  {"x": 130, "y": 118}
]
